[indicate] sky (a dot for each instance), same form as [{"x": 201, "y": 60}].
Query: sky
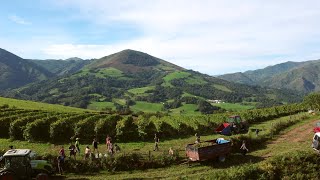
[{"x": 210, "y": 36}]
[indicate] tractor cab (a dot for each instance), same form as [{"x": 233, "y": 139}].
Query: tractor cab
[
  {"x": 18, "y": 163},
  {"x": 234, "y": 119},
  {"x": 234, "y": 125}
]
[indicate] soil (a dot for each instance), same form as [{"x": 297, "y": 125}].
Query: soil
[{"x": 298, "y": 135}]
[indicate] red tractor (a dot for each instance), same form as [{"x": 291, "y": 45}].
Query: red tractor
[{"x": 234, "y": 125}]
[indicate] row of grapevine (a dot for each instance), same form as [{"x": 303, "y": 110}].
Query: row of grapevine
[
  {"x": 17, "y": 127},
  {"x": 63, "y": 128},
  {"x": 60, "y": 127},
  {"x": 85, "y": 128},
  {"x": 6, "y": 120},
  {"x": 13, "y": 112},
  {"x": 39, "y": 130}
]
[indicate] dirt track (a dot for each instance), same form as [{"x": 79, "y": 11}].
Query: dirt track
[
  {"x": 298, "y": 134},
  {"x": 298, "y": 138}
]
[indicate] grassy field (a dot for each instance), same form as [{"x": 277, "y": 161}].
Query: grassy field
[
  {"x": 101, "y": 105},
  {"x": 186, "y": 109},
  {"x": 37, "y": 105},
  {"x": 141, "y": 91},
  {"x": 233, "y": 107},
  {"x": 195, "y": 80},
  {"x": 222, "y": 88},
  {"x": 174, "y": 75},
  {"x": 109, "y": 72},
  {"x": 146, "y": 107}
]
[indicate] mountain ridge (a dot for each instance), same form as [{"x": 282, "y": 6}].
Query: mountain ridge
[
  {"x": 297, "y": 76},
  {"x": 129, "y": 79},
  {"x": 16, "y": 72}
]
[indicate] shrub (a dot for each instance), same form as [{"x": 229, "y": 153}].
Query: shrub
[
  {"x": 84, "y": 129},
  {"x": 146, "y": 128},
  {"x": 63, "y": 129},
  {"x": 106, "y": 126},
  {"x": 17, "y": 127},
  {"x": 39, "y": 130},
  {"x": 127, "y": 130}
]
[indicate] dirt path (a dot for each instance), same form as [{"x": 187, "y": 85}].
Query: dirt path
[
  {"x": 297, "y": 138},
  {"x": 298, "y": 134}
]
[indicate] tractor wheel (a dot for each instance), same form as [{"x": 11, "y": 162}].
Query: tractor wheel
[
  {"x": 222, "y": 158},
  {"x": 42, "y": 176}
]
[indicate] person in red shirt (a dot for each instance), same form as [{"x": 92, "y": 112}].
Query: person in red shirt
[{"x": 61, "y": 152}]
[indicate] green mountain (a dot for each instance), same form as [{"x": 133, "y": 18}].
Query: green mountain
[
  {"x": 305, "y": 78},
  {"x": 16, "y": 72},
  {"x": 132, "y": 80},
  {"x": 298, "y": 76},
  {"x": 62, "y": 67}
]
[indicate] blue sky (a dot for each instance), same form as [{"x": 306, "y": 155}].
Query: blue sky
[{"x": 209, "y": 36}]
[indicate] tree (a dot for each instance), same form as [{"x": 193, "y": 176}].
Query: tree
[{"x": 312, "y": 101}]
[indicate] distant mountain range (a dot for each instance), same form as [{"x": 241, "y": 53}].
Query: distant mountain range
[
  {"x": 16, "y": 72},
  {"x": 127, "y": 80},
  {"x": 303, "y": 77},
  {"x": 61, "y": 67}
]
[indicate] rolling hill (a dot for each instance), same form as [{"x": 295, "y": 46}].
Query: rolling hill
[
  {"x": 135, "y": 81},
  {"x": 297, "y": 76},
  {"x": 16, "y": 72},
  {"x": 62, "y": 67}
]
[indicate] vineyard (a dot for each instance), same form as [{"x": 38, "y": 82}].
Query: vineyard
[{"x": 59, "y": 127}]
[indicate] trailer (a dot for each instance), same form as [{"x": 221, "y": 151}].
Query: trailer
[{"x": 208, "y": 150}]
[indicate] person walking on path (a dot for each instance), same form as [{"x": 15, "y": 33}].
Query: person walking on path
[
  {"x": 77, "y": 144},
  {"x": 197, "y": 138},
  {"x": 60, "y": 159},
  {"x": 108, "y": 141},
  {"x": 87, "y": 153},
  {"x": 170, "y": 151},
  {"x": 95, "y": 146},
  {"x": 244, "y": 148},
  {"x": 73, "y": 151},
  {"x": 61, "y": 152},
  {"x": 156, "y": 143}
]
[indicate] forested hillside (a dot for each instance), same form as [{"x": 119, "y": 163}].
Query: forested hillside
[
  {"x": 297, "y": 76},
  {"x": 16, "y": 72},
  {"x": 135, "y": 81},
  {"x": 62, "y": 67}
]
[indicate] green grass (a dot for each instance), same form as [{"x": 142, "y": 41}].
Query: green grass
[
  {"x": 37, "y": 105},
  {"x": 186, "y": 109},
  {"x": 111, "y": 72},
  {"x": 174, "y": 75},
  {"x": 233, "y": 107},
  {"x": 141, "y": 91},
  {"x": 83, "y": 72},
  {"x": 119, "y": 101},
  {"x": 196, "y": 80},
  {"x": 146, "y": 107},
  {"x": 222, "y": 88},
  {"x": 101, "y": 105}
]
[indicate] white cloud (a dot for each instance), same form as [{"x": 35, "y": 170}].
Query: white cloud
[
  {"x": 19, "y": 20},
  {"x": 208, "y": 36}
]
